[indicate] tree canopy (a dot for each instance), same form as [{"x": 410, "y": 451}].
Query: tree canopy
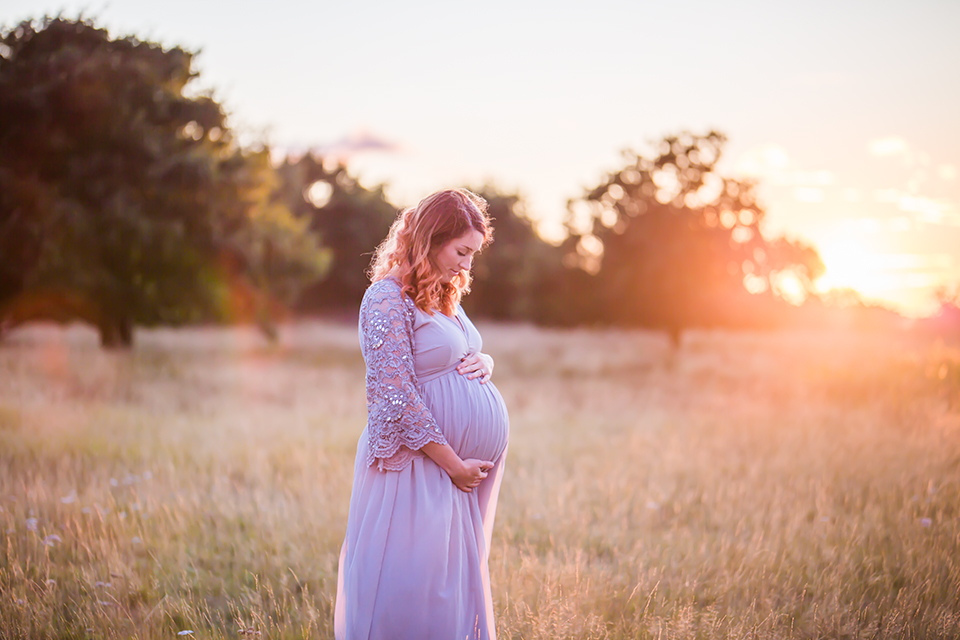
[
  {"x": 125, "y": 199},
  {"x": 673, "y": 244},
  {"x": 351, "y": 219},
  {"x": 510, "y": 277}
]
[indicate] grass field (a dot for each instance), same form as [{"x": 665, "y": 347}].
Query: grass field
[{"x": 775, "y": 485}]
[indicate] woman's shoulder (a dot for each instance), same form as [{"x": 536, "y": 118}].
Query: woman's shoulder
[
  {"x": 384, "y": 287},
  {"x": 384, "y": 292}
]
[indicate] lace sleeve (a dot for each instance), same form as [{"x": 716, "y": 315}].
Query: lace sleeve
[{"x": 398, "y": 421}]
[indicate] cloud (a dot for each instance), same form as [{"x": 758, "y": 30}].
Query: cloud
[
  {"x": 947, "y": 172},
  {"x": 929, "y": 210},
  {"x": 889, "y": 146},
  {"x": 771, "y": 163},
  {"x": 341, "y": 150},
  {"x": 354, "y": 143},
  {"x": 914, "y": 261}
]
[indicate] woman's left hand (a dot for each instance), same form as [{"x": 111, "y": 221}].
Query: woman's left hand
[{"x": 476, "y": 365}]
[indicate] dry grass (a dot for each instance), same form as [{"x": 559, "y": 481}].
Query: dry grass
[{"x": 754, "y": 485}]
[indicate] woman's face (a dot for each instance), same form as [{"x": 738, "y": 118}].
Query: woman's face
[{"x": 457, "y": 255}]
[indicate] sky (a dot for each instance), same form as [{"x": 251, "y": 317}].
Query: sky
[{"x": 846, "y": 113}]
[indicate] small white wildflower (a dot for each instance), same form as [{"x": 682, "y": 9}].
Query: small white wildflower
[
  {"x": 147, "y": 475},
  {"x": 653, "y": 505},
  {"x": 136, "y": 540},
  {"x": 51, "y": 539},
  {"x": 122, "y": 515},
  {"x": 101, "y": 583},
  {"x": 51, "y": 583},
  {"x": 21, "y": 601},
  {"x": 185, "y": 632},
  {"x": 86, "y": 510},
  {"x": 70, "y": 499},
  {"x": 926, "y": 522},
  {"x": 114, "y": 483},
  {"x": 31, "y": 524}
]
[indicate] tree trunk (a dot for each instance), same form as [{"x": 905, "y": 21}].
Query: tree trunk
[
  {"x": 116, "y": 334},
  {"x": 676, "y": 336},
  {"x": 125, "y": 332}
]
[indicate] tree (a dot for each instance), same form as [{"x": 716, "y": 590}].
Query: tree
[
  {"x": 672, "y": 244},
  {"x": 946, "y": 320},
  {"x": 509, "y": 278},
  {"x": 122, "y": 196},
  {"x": 351, "y": 219}
]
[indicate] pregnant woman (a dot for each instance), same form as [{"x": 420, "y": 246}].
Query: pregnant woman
[{"x": 430, "y": 461}]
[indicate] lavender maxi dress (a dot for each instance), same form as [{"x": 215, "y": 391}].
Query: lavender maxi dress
[{"x": 414, "y": 561}]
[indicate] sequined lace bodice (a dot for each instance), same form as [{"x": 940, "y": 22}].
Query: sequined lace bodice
[{"x": 398, "y": 421}]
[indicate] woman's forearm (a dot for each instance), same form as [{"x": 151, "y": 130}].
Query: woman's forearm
[
  {"x": 445, "y": 457},
  {"x": 466, "y": 474}
]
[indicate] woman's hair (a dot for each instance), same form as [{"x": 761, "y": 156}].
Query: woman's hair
[{"x": 417, "y": 234}]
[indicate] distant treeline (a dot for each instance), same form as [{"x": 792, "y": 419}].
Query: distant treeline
[{"x": 127, "y": 200}]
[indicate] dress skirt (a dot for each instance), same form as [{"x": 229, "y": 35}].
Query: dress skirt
[{"x": 414, "y": 560}]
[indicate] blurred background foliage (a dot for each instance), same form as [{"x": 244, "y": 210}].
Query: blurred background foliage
[
  {"x": 673, "y": 244},
  {"x": 126, "y": 200}
]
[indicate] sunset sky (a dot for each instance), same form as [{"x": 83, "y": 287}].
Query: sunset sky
[{"x": 848, "y": 113}]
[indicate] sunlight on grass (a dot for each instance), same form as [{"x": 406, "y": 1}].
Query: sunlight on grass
[{"x": 781, "y": 485}]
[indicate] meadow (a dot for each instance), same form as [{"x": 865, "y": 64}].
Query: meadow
[{"x": 751, "y": 485}]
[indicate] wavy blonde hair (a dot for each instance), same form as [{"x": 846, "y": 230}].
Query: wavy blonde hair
[{"x": 409, "y": 250}]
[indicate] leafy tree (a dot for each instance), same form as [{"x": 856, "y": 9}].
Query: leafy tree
[
  {"x": 350, "y": 218},
  {"x": 672, "y": 244},
  {"x": 509, "y": 278},
  {"x": 121, "y": 196},
  {"x": 274, "y": 256},
  {"x": 946, "y": 320}
]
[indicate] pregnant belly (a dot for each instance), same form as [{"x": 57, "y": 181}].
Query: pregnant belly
[{"x": 471, "y": 415}]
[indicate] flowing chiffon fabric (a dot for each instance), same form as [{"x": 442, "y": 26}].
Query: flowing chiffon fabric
[{"x": 414, "y": 560}]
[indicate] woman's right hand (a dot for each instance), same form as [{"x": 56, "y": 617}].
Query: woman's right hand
[{"x": 471, "y": 473}]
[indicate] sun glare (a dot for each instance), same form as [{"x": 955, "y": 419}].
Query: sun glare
[
  {"x": 851, "y": 265},
  {"x": 789, "y": 287}
]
